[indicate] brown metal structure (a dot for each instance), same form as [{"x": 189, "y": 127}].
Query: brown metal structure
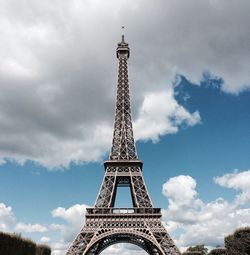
[{"x": 106, "y": 225}]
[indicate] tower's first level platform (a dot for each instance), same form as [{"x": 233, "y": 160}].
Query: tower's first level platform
[{"x": 106, "y": 226}]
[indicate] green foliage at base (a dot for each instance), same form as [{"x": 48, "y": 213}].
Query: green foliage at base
[
  {"x": 218, "y": 251},
  {"x": 239, "y": 242},
  {"x": 236, "y": 244},
  {"x": 43, "y": 250},
  {"x": 197, "y": 250},
  {"x": 192, "y": 253},
  {"x": 13, "y": 244}
]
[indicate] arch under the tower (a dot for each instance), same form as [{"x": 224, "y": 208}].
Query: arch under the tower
[{"x": 142, "y": 239}]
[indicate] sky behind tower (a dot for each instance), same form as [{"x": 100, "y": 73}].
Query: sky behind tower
[{"x": 189, "y": 82}]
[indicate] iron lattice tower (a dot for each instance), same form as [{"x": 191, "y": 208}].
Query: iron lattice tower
[{"x": 106, "y": 225}]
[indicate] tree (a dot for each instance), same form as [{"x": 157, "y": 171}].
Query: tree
[
  {"x": 198, "y": 248},
  {"x": 191, "y": 253},
  {"x": 239, "y": 242},
  {"x": 218, "y": 251},
  {"x": 42, "y": 249},
  {"x": 12, "y": 244}
]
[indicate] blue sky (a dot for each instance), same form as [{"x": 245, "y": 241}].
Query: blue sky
[
  {"x": 219, "y": 144},
  {"x": 190, "y": 93}
]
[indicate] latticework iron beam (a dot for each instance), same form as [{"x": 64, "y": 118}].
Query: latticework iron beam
[{"x": 123, "y": 145}]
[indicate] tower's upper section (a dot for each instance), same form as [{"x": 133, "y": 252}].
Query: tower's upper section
[
  {"x": 122, "y": 48},
  {"x": 123, "y": 145}
]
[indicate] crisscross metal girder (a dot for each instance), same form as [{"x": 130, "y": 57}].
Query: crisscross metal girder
[
  {"x": 119, "y": 175},
  {"x": 123, "y": 145},
  {"x": 148, "y": 233}
]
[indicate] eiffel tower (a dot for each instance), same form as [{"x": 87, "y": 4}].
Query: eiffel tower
[{"x": 106, "y": 225}]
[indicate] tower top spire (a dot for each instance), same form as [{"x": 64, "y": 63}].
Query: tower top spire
[{"x": 123, "y": 28}]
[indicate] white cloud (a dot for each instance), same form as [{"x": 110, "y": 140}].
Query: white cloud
[
  {"x": 160, "y": 114},
  {"x": 59, "y": 248},
  {"x": 238, "y": 181},
  {"x": 58, "y": 69},
  {"x": 75, "y": 218},
  {"x": 57, "y": 227},
  {"x": 9, "y": 223},
  {"x": 72, "y": 214},
  {"x": 7, "y": 217},
  {"x": 202, "y": 222},
  {"x": 45, "y": 239},
  {"x": 180, "y": 191},
  {"x": 126, "y": 249},
  {"x": 30, "y": 228},
  {"x": 58, "y": 236}
]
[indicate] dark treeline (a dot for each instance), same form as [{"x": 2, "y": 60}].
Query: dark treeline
[
  {"x": 13, "y": 244},
  {"x": 236, "y": 244}
]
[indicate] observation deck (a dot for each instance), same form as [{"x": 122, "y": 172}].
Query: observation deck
[{"x": 145, "y": 212}]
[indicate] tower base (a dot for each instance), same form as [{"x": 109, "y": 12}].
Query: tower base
[{"x": 107, "y": 226}]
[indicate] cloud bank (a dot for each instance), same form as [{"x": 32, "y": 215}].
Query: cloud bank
[
  {"x": 58, "y": 69},
  {"x": 202, "y": 222}
]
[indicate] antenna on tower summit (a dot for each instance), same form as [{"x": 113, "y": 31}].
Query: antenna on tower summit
[{"x": 123, "y": 28}]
